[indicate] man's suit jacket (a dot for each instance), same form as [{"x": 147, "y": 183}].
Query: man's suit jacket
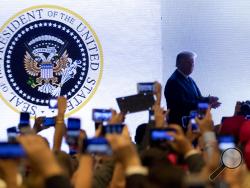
[{"x": 182, "y": 96}]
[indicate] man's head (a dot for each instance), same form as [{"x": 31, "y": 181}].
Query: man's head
[{"x": 185, "y": 62}]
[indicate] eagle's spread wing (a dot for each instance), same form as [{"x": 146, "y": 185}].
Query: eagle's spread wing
[
  {"x": 61, "y": 63},
  {"x": 30, "y": 65}
]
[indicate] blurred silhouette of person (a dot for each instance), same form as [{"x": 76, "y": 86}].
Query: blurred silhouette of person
[{"x": 181, "y": 92}]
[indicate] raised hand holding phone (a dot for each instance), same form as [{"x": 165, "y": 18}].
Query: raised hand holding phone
[
  {"x": 205, "y": 124},
  {"x": 180, "y": 142}
]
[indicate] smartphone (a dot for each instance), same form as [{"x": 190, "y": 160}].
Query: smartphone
[
  {"x": 194, "y": 126},
  {"x": 12, "y": 133},
  {"x": 161, "y": 134},
  {"x": 24, "y": 119},
  {"x": 53, "y": 103},
  {"x": 11, "y": 150},
  {"x": 146, "y": 87},
  {"x": 112, "y": 129},
  {"x": 226, "y": 142},
  {"x": 161, "y": 138},
  {"x": 193, "y": 115},
  {"x": 98, "y": 146},
  {"x": 49, "y": 122},
  {"x": 189, "y": 119},
  {"x": 101, "y": 115},
  {"x": 73, "y": 133},
  {"x": 74, "y": 124},
  {"x": 151, "y": 116},
  {"x": 24, "y": 123},
  {"x": 202, "y": 109}
]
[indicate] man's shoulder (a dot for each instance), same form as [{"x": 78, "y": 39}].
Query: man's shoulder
[
  {"x": 174, "y": 77},
  {"x": 172, "y": 83}
]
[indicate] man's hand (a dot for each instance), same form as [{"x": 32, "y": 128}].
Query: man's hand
[
  {"x": 125, "y": 132},
  {"x": 180, "y": 143},
  {"x": 160, "y": 116},
  {"x": 205, "y": 124},
  {"x": 123, "y": 150},
  {"x": 214, "y": 102},
  {"x": 190, "y": 134},
  {"x": 116, "y": 117},
  {"x": 40, "y": 156},
  {"x": 157, "y": 92},
  {"x": 38, "y": 124}
]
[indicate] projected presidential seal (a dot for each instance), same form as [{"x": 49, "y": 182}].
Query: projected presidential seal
[{"x": 46, "y": 52}]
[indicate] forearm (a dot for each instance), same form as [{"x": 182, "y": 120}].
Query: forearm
[
  {"x": 118, "y": 179},
  {"x": 211, "y": 151},
  {"x": 9, "y": 172},
  {"x": 59, "y": 132},
  {"x": 85, "y": 172}
]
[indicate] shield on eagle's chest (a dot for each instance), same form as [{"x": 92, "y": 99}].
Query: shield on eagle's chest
[{"x": 46, "y": 71}]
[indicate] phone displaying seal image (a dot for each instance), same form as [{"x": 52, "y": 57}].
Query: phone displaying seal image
[
  {"x": 101, "y": 115},
  {"x": 98, "y": 146},
  {"x": 11, "y": 150},
  {"x": 12, "y": 133},
  {"x": 202, "y": 109},
  {"x": 226, "y": 142},
  {"x": 112, "y": 129},
  {"x": 53, "y": 103},
  {"x": 49, "y": 122},
  {"x": 146, "y": 87}
]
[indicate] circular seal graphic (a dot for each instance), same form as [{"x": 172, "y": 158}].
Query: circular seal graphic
[{"x": 46, "y": 52}]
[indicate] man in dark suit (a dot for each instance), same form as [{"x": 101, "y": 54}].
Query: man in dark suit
[{"x": 181, "y": 92}]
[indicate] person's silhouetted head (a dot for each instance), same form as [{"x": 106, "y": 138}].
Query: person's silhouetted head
[{"x": 185, "y": 62}]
